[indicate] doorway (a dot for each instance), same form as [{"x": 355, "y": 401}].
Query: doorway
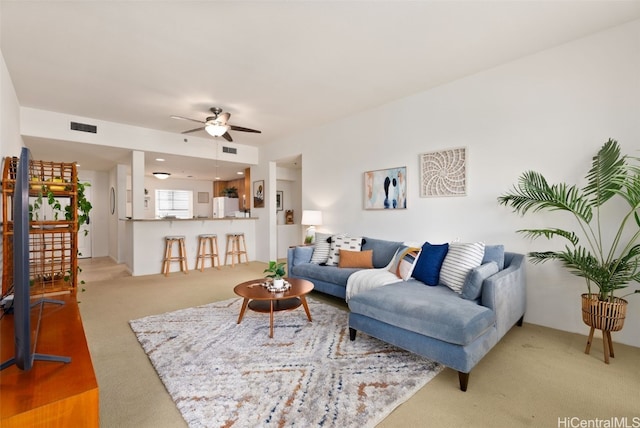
[{"x": 84, "y": 232}]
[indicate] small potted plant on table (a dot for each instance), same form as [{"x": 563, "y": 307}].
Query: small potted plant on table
[{"x": 276, "y": 272}]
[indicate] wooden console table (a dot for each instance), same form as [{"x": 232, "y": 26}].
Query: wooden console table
[{"x": 51, "y": 393}]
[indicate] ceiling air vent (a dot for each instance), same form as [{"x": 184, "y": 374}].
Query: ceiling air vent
[
  {"x": 83, "y": 127},
  {"x": 231, "y": 150}
]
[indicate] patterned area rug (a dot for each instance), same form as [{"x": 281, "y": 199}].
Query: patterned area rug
[{"x": 220, "y": 373}]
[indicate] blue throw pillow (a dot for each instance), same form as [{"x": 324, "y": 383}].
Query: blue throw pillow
[
  {"x": 472, "y": 288},
  {"x": 302, "y": 255},
  {"x": 494, "y": 253},
  {"x": 427, "y": 268}
]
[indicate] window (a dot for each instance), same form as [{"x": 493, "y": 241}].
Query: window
[{"x": 174, "y": 203}]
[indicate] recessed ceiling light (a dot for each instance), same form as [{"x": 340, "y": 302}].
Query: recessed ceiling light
[
  {"x": 239, "y": 172},
  {"x": 160, "y": 159}
]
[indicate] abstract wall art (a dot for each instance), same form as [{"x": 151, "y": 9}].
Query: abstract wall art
[
  {"x": 443, "y": 173},
  {"x": 385, "y": 189}
]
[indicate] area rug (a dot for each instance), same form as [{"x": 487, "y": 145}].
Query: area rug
[{"x": 223, "y": 374}]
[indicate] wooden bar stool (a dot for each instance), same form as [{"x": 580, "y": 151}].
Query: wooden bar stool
[
  {"x": 168, "y": 258},
  {"x": 203, "y": 240},
  {"x": 236, "y": 247}
]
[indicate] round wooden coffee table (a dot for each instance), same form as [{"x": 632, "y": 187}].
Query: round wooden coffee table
[{"x": 259, "y": 299}]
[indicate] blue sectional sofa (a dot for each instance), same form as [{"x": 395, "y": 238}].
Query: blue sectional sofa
[{"x": 432, "y": 321}]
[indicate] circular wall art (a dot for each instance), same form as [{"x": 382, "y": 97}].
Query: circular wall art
[{"x": 443, "y": 173}]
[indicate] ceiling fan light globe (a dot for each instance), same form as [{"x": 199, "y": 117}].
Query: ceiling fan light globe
[{"x": 216, "y": 130}]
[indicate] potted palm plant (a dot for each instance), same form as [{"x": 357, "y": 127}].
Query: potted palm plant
[{"x": 607, "y": 266}]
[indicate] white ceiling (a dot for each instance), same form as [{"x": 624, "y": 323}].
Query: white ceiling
[{"x": 278, "y": 66}]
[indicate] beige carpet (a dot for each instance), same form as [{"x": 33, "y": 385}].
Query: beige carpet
[{"x": 533, "y": 377}]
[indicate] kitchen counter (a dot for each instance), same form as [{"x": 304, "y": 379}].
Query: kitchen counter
[
  {"x": 144, "y": 250},
  {"x": 190, "y": 219}
]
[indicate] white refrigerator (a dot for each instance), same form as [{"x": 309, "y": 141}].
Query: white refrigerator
[{"x": 225, "y": 207}]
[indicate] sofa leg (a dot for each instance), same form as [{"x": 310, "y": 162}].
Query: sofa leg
[
  {"x": 520, "y": 321},
  {"x": 352, "y": 334},
  {"x": 464, "y": 380}
]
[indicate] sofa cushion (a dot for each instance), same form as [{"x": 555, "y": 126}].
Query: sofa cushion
[
  {"x": 342, "y": 242},
  {"x": 383, "y": 251},
  {"x": 302, "y": 254},
  {"x": 472, "y": 288},
  {"x": 460, "y": 259},
  {"x": 356, "y": 259},
  {"x": 436, "y": 312},
  {"x": 494, "y": 253},
  {"x": 332, "y": 274},
  {"x": 428, "y": 266},
  {"x": 321, "y": 248}
]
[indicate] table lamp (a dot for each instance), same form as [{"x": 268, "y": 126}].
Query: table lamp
[{"x": 312, "y": 219}]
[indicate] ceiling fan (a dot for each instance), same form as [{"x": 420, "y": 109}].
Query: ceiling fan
[{"x": 216, "y": 125}]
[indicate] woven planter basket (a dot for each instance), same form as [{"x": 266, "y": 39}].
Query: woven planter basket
[{"x": 606, "y": 316}]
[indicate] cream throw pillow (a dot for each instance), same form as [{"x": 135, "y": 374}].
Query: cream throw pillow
[{"x": 460, "y": 259}]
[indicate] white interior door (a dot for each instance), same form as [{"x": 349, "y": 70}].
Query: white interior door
[{"x": 84, "y": 239}]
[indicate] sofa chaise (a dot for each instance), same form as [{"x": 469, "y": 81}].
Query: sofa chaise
[{"x": 411, "y": 297}]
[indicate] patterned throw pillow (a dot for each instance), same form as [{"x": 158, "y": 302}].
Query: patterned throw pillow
[
  {"x": 404, "y": 261},
  {"x": 343, "y": 242},
  {"x": 408, "y": 263},
  {"x": 321, "y": 248},
  {"x": 395, "y": 260},
  {"x": 460, "y": 259}
]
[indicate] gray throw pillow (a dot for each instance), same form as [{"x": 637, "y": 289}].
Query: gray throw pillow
[{"x": 472, "y": 288}]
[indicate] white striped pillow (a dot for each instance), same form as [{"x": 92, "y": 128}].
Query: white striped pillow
[
  {"x": 460, "y": 259},
  {"x": 321, "y": 250}
]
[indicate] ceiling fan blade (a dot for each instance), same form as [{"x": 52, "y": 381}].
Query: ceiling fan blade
[
  {"x": 186, "y": 118},
  {"x": 240, "y": 128},
  {"x": 193, "y": 130},
  {"x": 223, "y": 118},
  {"x": 227, "y": 137}
]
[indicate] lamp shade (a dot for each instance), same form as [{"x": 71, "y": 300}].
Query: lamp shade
[{"x": 311, "y": 218}]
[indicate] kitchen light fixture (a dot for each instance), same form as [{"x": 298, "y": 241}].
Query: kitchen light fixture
[
  {"x": 161, "y": 175},
  {"x": 216, "y": 129}
]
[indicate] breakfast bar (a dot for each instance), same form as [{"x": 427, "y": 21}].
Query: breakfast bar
[{"x": 145, "y": 239}]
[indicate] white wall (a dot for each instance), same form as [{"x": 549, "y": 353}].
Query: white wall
[
  {"x": 289, "y": 234},
  {"x": 10, "y": 139},
  {"x": 548, "y": 112}
]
